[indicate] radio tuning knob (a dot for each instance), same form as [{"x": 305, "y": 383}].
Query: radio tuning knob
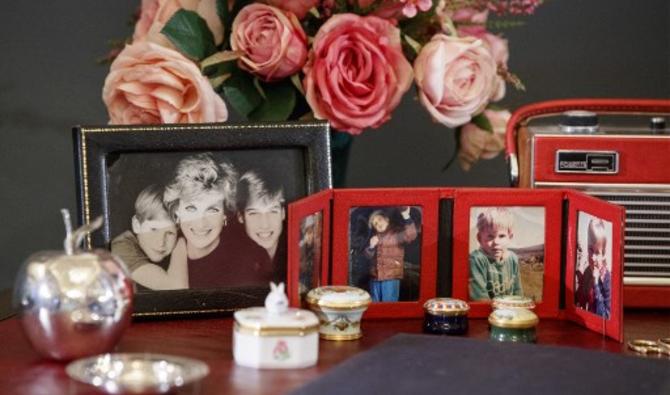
[
  {"x": 657, "y": 124},
  {"x": 579, "y": 121}
]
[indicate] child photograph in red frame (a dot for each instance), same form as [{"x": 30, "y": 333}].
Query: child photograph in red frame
[
  {"x": 539, "y": 245},
  {"x": 310, "y": 244},
  {"x": 601, "y": 225},
  {"x": 506, "y": 252},
  {"x": 353, "y": 209},
  {"x": 309, "y": 223},
  {"x": 593, "y": 265},
  {"x": 385, "y": 253}
]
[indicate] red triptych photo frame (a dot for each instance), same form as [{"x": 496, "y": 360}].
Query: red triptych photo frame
[{"x": 546, "y": 227}]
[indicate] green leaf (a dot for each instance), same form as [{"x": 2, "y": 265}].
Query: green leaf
[
  {"x": 367, "y": 10},
  {"x": 226, "y": 21},
  {"x": 340, "y": 6},
  {"x": 219, "y": 69},
  {"x": 190, "y": 34},
  {"x": 279, "y": 103},
  {"x": 223, "y": 12},
  {"x": 495, "y": 107},
  {"x": 482, "y": 122},
  {"x": 240, "y": 92}
]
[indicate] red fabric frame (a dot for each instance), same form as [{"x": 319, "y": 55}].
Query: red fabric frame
[
  {"x": 551, "y": 200},
  {"x": 559, "y": 224},
  {"x": 297, "y": 211},
  {"x": 427, "y": 198},
  {"x": 613, "y": 326}
]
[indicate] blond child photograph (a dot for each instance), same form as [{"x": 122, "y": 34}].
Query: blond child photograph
[
  {"x": 506, "y": 252},
  {"x": 593, "y": 269}
]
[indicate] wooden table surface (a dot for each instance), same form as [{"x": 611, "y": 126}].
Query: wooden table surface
[{"x": 22, "y": 371}]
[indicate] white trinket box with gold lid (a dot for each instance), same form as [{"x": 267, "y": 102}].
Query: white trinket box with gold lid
[{"x": 276, "y": 336}]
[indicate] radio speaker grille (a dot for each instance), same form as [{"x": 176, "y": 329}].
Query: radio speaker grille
[{"x": 647, "y": 237}]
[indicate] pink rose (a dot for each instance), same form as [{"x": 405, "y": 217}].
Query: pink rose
[
  {"x": 299, "y": 7},
  {"x": 388, "y": 9},
  {"x": 357, "y": 72},
  {"x": 148, "y": 12},
  {"x": 474, "y": 25},
  {"x": 273, "y": 42},
  {"x": 156, "y": 13},
  {"x": 412, "y": 7},
  {"x": 456, "y": 78},
  {"x": 469, "y": 15},
  {"x": 478, "y": 144},
  {"x": 151, "y": 84}
]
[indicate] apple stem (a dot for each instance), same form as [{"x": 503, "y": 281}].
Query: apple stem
[{"x": 74, "y": 239}]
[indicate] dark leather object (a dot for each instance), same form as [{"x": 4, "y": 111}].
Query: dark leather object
[{"x": 425, "y": 364}]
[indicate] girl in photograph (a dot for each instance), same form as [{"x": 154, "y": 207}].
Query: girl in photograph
[
  {"x": 593, "y": 285},
  {"x": 260, "y": 204},
  {"x": 198, "y": 198}
]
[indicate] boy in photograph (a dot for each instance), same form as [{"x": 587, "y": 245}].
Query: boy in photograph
[
  {"x": 386, "y": 251},
  {"x": 593, "y": 289},
  {"x": 260, "y": 209},
  {"x": 152, "y": 239},
  {"x": 494, "y": 269}
]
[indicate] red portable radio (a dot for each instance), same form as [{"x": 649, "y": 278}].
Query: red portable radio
[{"x": 623, "y": 161}]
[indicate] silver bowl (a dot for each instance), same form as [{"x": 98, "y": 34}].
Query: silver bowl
[{"x": 137, "y": 373}]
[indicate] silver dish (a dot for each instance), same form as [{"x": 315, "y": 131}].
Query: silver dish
[{"x": 128, "y": 373}]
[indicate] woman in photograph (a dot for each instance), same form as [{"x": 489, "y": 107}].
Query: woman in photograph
[
  {"x": 199, "y": 197},
  {"x": 260, "y": 205}
]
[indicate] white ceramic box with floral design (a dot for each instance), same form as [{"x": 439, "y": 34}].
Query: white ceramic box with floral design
[{"x": 275, "y": 341}]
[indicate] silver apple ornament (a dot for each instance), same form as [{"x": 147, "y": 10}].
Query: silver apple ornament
[{"x": 74, "y": 303}]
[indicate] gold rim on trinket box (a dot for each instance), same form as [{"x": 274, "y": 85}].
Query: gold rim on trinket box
[
  {"x": 276, "y": 331},
  {"x": 446, "y": 307},
  {"x": 514, "y": 322},
  {"x": 314, "y": 298}
]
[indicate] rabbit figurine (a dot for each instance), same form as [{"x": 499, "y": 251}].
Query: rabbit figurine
[{"x": 276, "y": 303}]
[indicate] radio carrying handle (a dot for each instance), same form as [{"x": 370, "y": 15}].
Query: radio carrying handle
[{"x": 524, "y": 114}]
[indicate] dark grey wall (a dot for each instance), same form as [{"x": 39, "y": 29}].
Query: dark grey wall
[{"x": 49, "y": 82}]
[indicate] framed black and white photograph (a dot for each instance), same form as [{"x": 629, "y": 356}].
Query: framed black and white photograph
[{"x": 198, "y": 212}]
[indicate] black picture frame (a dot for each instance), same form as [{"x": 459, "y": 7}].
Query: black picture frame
[{"x": 96, "y": 146}]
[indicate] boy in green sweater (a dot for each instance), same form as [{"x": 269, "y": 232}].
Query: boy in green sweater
[{"x": 494, "y": 269}]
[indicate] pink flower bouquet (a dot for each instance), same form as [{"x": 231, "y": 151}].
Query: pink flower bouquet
[{"x": 345, "y": 61}]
